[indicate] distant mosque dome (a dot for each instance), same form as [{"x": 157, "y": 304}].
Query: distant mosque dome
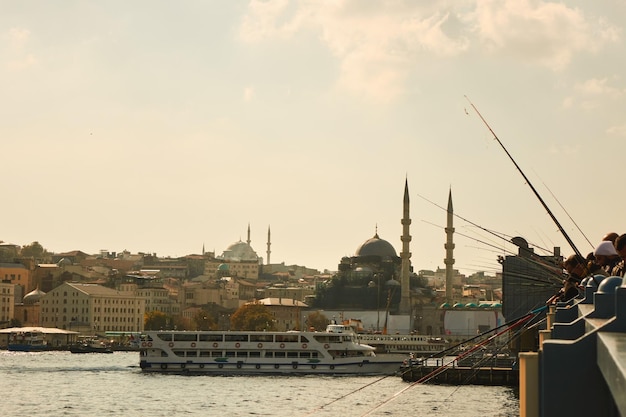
[
  {"x": 376, "y": 247},
  {"x": 240, "y": 251},
  {"x": 33, "y": 296},
  {"x": 222, "y": 267}
]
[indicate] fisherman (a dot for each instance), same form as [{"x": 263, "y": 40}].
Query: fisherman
[
  {"x": 620, "y": 248},
  {"x": 576, "y": 267},
  {"x": 606, "y": 256}
]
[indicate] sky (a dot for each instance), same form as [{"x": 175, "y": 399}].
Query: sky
[{"x": 163, "y": 127}]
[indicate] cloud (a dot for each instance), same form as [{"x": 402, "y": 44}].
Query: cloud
[
  {"x": 617, "y": 130},
  {"x": 248, "y": 94},
  {"x": 380, "y": 44},
  {"x": 16, "y": 58},
  {"x": 544, "y": 33},
  {"x": 594, "y": 93}
]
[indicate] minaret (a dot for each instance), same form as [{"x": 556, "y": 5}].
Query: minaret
[
  {"x": 449, "y": 261},
  {"x": 269, "y": 243},
  {"x": 248, "y": 241},
  {"x": 405, "y": 255}
]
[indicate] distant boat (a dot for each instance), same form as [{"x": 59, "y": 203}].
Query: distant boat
[
  {"x": 404, "y": 344},
  {"x": 91, "y": 346},
  {"x": 27, "y": 341}
]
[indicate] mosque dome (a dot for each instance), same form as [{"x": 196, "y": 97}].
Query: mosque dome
[
  {"x": 240, "y": 251},
  {"x": 222, "y": 267},
  {"x": 33, "y": 296},
  {"x": 376, "y": 247}
]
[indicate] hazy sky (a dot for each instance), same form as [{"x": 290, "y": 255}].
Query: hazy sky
[{"x": 162, "y": 126}]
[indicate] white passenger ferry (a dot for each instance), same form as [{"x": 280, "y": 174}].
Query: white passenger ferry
[
  {"x": 336, "y": 351},
  {"x": 404, "y": 344}
]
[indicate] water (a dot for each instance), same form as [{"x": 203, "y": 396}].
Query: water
[{"x": 64, "y": 384}]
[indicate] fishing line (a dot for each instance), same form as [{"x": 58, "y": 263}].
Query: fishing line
[
  {"x": 570, "y": 217},
  {"x": 438, "y": 371},
  {"x": 346, "y": 395},
  {"x": 545, "y": 206},
  {"x": 500, "y": 235}
]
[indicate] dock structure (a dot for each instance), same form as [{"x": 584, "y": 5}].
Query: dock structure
[
  {"x": 580, "y": 367},
  {"x": 464, "y": 375}
]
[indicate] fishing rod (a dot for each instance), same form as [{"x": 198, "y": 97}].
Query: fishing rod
[
  {"x": 545, "y": 206},
  {"x": 511, "y": 324},
  {"x": 570, "y": 217},
  {"x": 444, "y": 367}
]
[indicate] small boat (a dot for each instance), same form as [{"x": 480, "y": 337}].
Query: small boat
[
  {"x": 336, "y": 351},
  {"x": 28, "y": 341},
  {"x": 91, "y": 346}
]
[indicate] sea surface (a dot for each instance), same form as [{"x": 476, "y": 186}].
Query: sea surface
[{"x": 65, "y": 384}]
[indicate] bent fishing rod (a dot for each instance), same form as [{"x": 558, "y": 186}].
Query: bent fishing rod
[
  {"x": 545, "y": 206},
  {"x": 512, "y": 324}
]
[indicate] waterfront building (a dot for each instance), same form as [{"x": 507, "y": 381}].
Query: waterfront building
[
  {"x": 7, "y": 302},
  {"x": 19, "y": 275},
  {"x": 28, "y": 312},
  {"x": 89, "y": 308},
  {"x": 286, "y": 312}
]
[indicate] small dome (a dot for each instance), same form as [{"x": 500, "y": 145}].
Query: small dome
[
  {"x": 471, "y": 305},
  {"x": 64, "y": 262},
  {"x": 376, "y": 247},
  {"x": 458, "y": 305},
  {"x": 444, "y": 305},
  {"x": 33, "y": 296},
  {"x": 222, "y": 267}
]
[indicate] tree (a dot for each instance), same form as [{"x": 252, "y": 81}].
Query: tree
[
  {"x": 255, "y": 317},
  {"x": 155, "y": 320},
  {"x": 317, "y": 321},
  {"x": 34, "y": 250},
  {"x": 204, "y": 321}
]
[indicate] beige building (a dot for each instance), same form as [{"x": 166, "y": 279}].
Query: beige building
[
  {"x": 91, "y": 308},
  {"x": 17, "y": 274},
  {"x": 7, "y": 302},
  {"x": 286, "y": 312}
]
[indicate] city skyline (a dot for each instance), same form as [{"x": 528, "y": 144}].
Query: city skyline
[{"x": 167, "y": 130}]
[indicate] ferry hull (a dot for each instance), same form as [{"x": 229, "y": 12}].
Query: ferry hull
[{"x": 252, "y": 368}]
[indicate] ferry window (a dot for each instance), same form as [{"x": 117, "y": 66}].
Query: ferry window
[
  {"x": 179, "y": 353},
  {"x": 261, "y": 338},
  {"x": 304, "y": 339},
  {"x": 292, "y": 354},
  {"x": 210, "y": 337},
  {"x": 287, "y": 338},
  {"x": 192, "y": 354},
  {"x": 255, "y": 354},
  {"x": 269, "y": 354},
  {"x": 205, "y": 353},
  {"x": 305, "y": 354},
  {"x": 230, "y": 354},
  {"x": 314, "y": 354},
  {"x": 163, "y": 336},
  {"x": 216, "y": 354},
  {"x": 163, "y": 354},
  {"x": 241, "y": 354},
  {"x": 279, "y": 354},
  {"x": 185, "y": 337},
  {"x": 236, "y": 337}
]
